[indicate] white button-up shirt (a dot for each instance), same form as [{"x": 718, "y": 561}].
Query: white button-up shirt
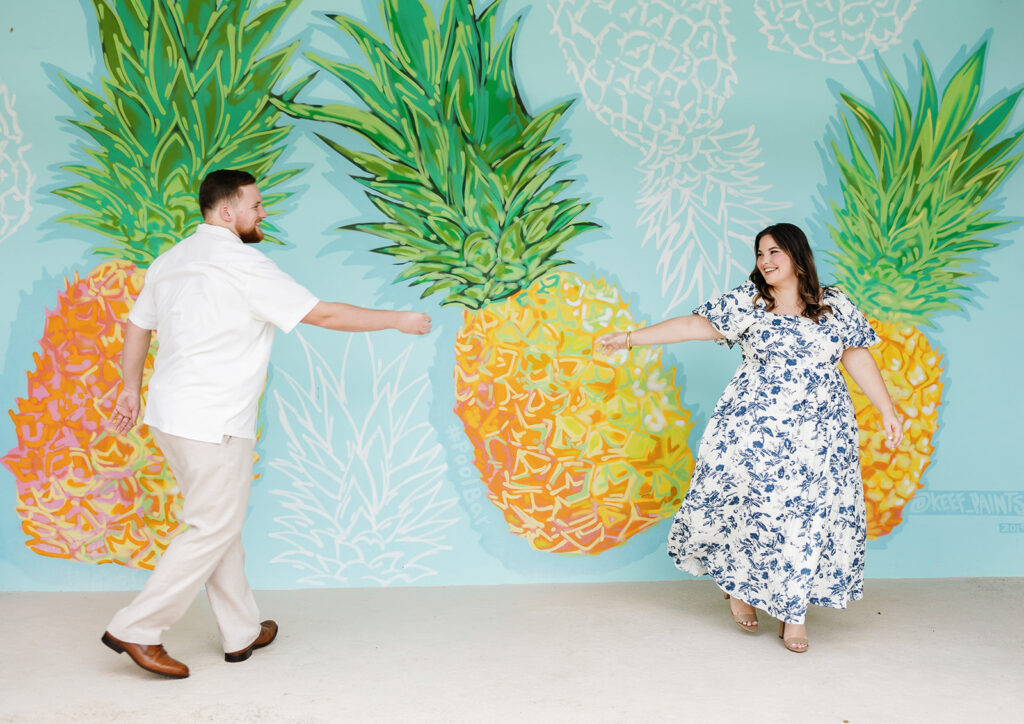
[{"x": 214, "y": 302}]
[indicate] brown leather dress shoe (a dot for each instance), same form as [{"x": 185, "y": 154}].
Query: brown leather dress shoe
[
  {"x": 268, "y": 632},
  {"x": 150, "y": 657}
]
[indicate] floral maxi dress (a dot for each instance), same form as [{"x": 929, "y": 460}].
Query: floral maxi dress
[{"x": 775, "y": 511}]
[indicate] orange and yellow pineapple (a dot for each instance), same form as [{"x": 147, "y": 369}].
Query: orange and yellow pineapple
[
  {"x": 911, "y": 219},
  {"x": 579, "y": 453},
  {"x": 175, "y": 106}
]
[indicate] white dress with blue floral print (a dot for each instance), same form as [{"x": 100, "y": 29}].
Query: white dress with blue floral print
[{"x": 775, "y": 511}]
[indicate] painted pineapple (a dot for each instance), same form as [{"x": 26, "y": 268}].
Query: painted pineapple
[
  {"x": 16, "y": 176},
  {"x": 186, "y": 94},
  {"x": 365, "y": 499},
  {"x": 578, "y": 453},
  {"x": 911, "y": 219}
]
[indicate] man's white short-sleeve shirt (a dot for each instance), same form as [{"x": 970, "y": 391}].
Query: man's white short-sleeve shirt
[{"x": 214, "y": 302}]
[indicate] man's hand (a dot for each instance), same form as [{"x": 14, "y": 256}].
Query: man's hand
[
  {"x": 133, "y": 360},
  {"x": 126, "y": 411},
  {"x": 413, "y": 323}
]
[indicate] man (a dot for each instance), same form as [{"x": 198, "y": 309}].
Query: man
[{"x": 215, "y": 301}]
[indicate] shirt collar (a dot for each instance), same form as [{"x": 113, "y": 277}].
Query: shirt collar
[{"x": 218, "y": 231}]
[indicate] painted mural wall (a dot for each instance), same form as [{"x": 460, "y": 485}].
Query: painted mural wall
[{"x": 533, "y": 174}]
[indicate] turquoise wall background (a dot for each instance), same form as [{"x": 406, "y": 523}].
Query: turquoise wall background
[{"x": 694, "y": 124}]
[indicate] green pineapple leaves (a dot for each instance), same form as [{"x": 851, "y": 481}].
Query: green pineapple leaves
[
  {"x": 460, "y": 168},
  {"x": 187, "y": 93},
  {"x": 913, "y": 193}
]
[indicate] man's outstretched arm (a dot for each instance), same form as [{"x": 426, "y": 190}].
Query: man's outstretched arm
[
  {"x": 133, "y": 360},
  {"x": 349, "y": 318}
]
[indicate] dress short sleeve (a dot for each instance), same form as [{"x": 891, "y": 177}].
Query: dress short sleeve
[
  {"x": 856, "y": 331},
  {"x": 273, "y": 296},
  {"x": 731, "y": 314}
]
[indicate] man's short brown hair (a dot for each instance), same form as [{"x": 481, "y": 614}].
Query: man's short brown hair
[{"x": 222, "y": 185}]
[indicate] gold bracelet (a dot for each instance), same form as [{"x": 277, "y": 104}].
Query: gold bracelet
[{"x": 628, "y": 345}]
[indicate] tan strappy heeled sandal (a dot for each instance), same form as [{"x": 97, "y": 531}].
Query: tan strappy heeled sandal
[
  {"x": 796, "y": 644},
  {"x": 746, "y": 621}
]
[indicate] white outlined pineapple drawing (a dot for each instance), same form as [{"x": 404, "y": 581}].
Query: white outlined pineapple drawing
[
  {"x": 701, "y": 203},
  {"x": 366, "y": 502},
  {"x": 16, "y": 178},
  {"x": 658, "y": 73},
  {"x": 833, "y": 31},
  {"x": 648, "y": 66}
]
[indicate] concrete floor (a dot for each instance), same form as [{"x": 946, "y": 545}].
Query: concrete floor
[{"x": 913, "y": 651}]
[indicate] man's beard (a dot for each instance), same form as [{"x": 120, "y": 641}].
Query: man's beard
[{"x": 253, "y": 235}]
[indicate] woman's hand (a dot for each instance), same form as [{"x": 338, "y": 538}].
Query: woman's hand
[
  {"x": 862, "y": 368},
  {"x": 892, "y": 425},
  {"x": 676, "y": 329},
  {"x": 612, "y": 342}
]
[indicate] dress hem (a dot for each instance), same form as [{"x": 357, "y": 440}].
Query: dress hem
[{"x": 694, "y": 567}]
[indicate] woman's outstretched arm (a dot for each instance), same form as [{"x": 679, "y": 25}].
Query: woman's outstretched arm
[
  {"x": 862, "y": 368},
  {"x": 677, "y": 329}
]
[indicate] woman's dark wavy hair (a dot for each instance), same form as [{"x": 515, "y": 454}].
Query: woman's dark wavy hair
[{"x": 792, "y": 240}]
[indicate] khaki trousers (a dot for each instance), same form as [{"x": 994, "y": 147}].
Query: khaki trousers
[{"x": 214, "y": 480}]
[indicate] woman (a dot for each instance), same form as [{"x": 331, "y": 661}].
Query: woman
[{"x": 775, "y": 512}]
